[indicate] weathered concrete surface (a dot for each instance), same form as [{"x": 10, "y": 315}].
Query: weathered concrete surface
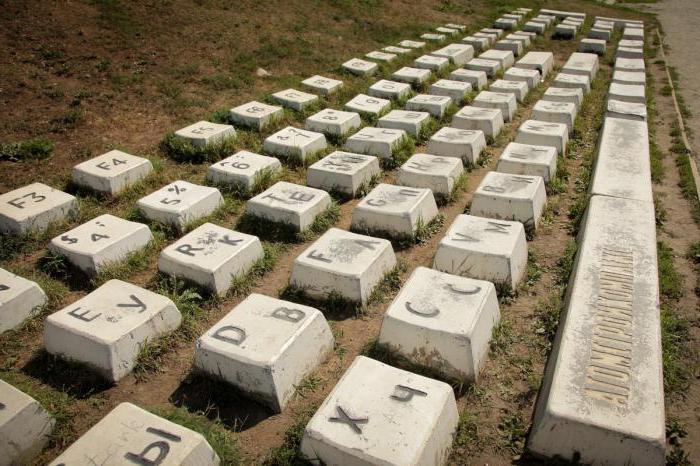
[
  {"x": 378, "y": 414},
  {"x": 602, "y": 400}
]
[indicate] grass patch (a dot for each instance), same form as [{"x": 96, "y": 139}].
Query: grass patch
[
  {"x": 339, "y": 307},
  {"x": 289, "y": 453},
  {"x": 285, "y": 232},
  {"x": 670, "y": 281},
  {"x": 388, "y": 355},
  {"x": 221, "y": 439},
  {"x": 402, "y": 152},
  {"x": 675, "y": 336},
  {"x": 31, "y": 149},
  {"x": 181, "y": 150},
  {"x": 423, "y": 232}
]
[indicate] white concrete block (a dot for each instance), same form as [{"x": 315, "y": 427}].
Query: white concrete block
[
  {"x": 111, "y": 172},
  {"x": 394, "y": 211},
  {"x": 384, "y": 57},
  {"x": 333, "y": 122},
  {"x": 344, "y": 264},
  {"x": 505, "y": 102},
  {"x": 243, "y": 169},
  {"x": 442, "y": 321},
  {"x": 602, "y": 399},
  {"x": 633, "y": 33},
  {"x": 585, "y": 64},
  {"x": 629, "y": 77},
  {"x": 564, "y": 94},
  {"x": 600, "y": 34},
  {"x": 490, "y": 67},
  {"x": 622, "y": 166},
  {"x": 518, "y": 88},
  {"x": 180, "y": 203},
  {"x": 436, "y": 105},
  {"x": 630, "y": 111},
  {"x": 633, "y": 93},
  {"x": 505, "y": 23},
  {"x": 510, "y": 197},
  {"x": 360, "y": 67},
  {"x": 530, "y": 77},
  {"x": 477, "y": 79},
  {"x": 397, "y": 50},
  {"x": 555, "y": 112},
  {"x": 456, "y": 90},
  {"x": 322, "y": 85},
  {"x": 479, "y": 43},
  {"x": 590, "y": 45},
  {"x": 265, "y": 347},
  {"x": 101, "y": 241},
  {"x": 439, "y": 174},
  {"x": 33, "y": 208},
  {"x": 541, "y": 61},
  {"x": 432, "y": 63},
  {"x": 256, "y": 115},
  {"x": 294, "y": 143},
  {"x": 629, "y": 52},
  {"x": 411, "y": 122},
  {"x": 629, "y": 64},
  {"x": 378, "y": 414},
  {"x": 490, "y": 37},
  {"x": 386, "y": 89},
  {"x": 537, "y": 27},
  {"x": 487, "y": 120},
  {"x": 411, "y": 75},
  {"x": 565, "y": 31},
  {"x": 464, "y": 144},
  {"x": 509, "y": 45},
  {"x": 412, "y": 44},
  {"x": 523, "y": 37},
  {"x": 546, "y": 19},
  {"x": 629, "y": 43},
  {"x": 292, "y": 204},
  {"x": 447, "y": 31},
  {"x": 368, "y": 105},
  {"x": 345, "y": 172},
  {"x": 107, "y": 328},
  {"x": 25, "y": 426},
  {"x": 296, "y": 100},
  {"x": 459, "y": 27},
  {"x": 526, "y": 159},
  {"x": 211, "y": 256},
  {"x": 131, "y": 435},
  {"x": 458, "y": 54},
  {"x": 504, "y": 57},
  {"x": 484, "y": 249},
  {"x": 498, "y": 32},
  {"x": 516, "y": 17},
  {"x": 515, "y": 47},
  {"x": 539, "y": 133},
  {"x": 203, "y": 133},
  {"x": 380, "y": 142},
  {"x": 575, "y": 81},
  {"x": 19, "y": 300},
  {"x": 433, "y": 37}
]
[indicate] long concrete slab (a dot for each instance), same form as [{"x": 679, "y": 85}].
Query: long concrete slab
[
  {"x": 602, "y": 400},
  {"x": 622, "y": 166}
]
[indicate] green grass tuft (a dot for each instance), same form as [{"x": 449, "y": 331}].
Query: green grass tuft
[{"x": 31, "y": 149}]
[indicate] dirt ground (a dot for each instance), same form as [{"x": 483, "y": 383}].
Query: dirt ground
[
  {"x": 679, "y": 19},
  {"x": 94, "y": 75}
]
